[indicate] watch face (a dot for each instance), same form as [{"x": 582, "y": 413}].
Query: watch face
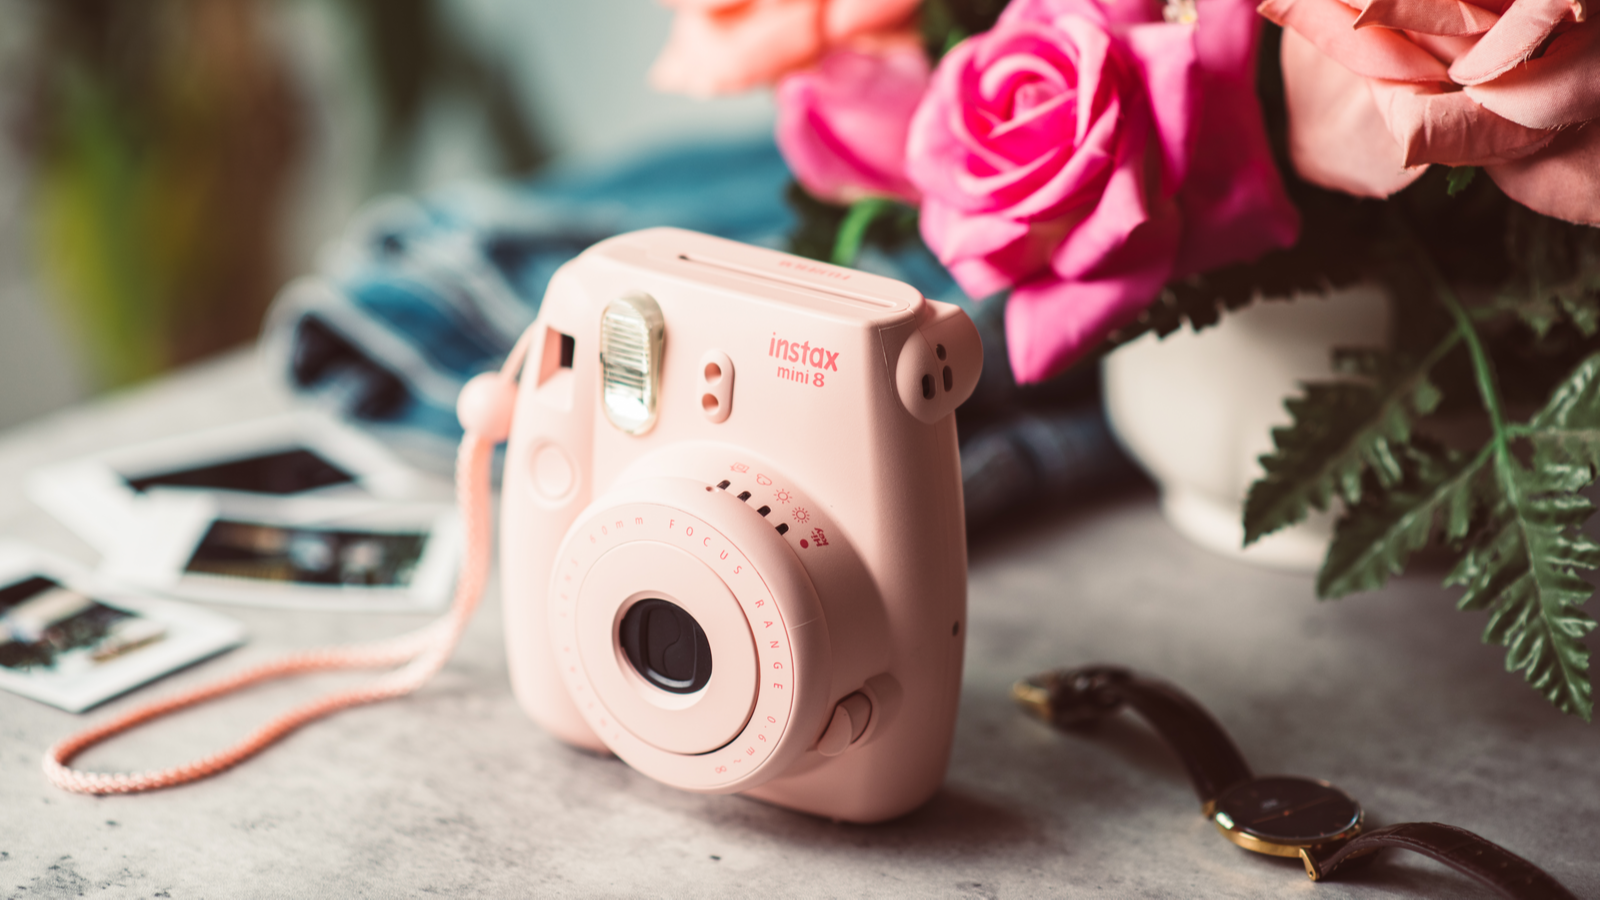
[{"x": 1284, "y": 810}]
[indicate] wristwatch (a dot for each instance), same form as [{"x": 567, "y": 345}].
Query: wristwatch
[{"x": 1279, "y": 815}]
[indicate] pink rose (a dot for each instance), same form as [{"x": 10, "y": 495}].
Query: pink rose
[
  {"x": 1084, "y": 154},
  {"x": 1380, "y": 89},
  {"x": 725, "y": 46},
  {"x": 842, "y": 125}
]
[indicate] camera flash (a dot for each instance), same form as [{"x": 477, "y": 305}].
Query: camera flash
[{"x": 631, "y": 332}]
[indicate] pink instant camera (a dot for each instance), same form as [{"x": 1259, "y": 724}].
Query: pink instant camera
[{"x": 733, "y": 544}]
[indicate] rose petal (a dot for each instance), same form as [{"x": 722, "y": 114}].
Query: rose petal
[
  {"x": 1166, "y": 58},
  {"x": 1052, "y": 322},
  {"x": 1234, "y": 205},
  {"x": 1446, "y": 48},
  {"x": 1433, "y": 126},
  {"x": 1373, "y": 52},
  {"x": 842, "y": 125},
  {"x": 1561, "y": 87},
  {"x": 1512, "y": 40},
  {"x": 937, "y": 136},
  {"x": 1451, "y": 17},
  {"x": 948, "y": 153},
  {"x": 1563, "y": 181},
  {"x": 1498, "y": 7},
  {"x": 1100, "y": 13},
  {"x": 1132, "y": 196},
  {"x": 844, "y": 19},
  {"x": 950, "y": 156},
  {"x": 985, "y": 254},
  {"x": 704, "y": 5},
  {"x": 885, "y": 42},
  {"x": 1337, "y": 138},
  {"x": 726, "y": 51},
  {"x": 1103, "y": 117}
]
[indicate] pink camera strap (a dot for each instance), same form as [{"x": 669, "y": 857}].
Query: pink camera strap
[{"x": 486, "y": 412}]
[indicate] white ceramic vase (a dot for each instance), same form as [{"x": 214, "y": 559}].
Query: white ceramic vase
[{"x": 1197, "y": 409}]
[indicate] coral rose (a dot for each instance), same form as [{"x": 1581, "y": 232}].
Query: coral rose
[
  {"x": 725, "y": 46},
  {"x": 1380, "y": 89},
  {"x": 1086, "y": 153},
  {"x": 842, "y": 125}
]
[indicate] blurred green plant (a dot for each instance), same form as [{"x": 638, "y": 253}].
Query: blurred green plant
[
  {"x": 165, "y": 137},
  {"x": 165, "y": 134},
  {"x": 414, "y": 55}
]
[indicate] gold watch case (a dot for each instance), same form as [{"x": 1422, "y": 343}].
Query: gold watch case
[{"x": 1288, "y": 816}]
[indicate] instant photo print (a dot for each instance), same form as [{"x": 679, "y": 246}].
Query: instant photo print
[
  {"x": 71, "y": 641},
  {"x": 346, "y": 555},
  {"x": 301, "y": 455}
]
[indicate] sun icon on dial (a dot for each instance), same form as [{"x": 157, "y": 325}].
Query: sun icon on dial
[
  {"x": 782, "y": 495},
  {"x": 801, "y": 514}
]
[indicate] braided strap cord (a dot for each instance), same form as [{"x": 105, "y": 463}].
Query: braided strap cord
[{"x": 419, "y": 654}]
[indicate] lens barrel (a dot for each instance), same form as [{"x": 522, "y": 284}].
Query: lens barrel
[{"x": 666, "y": 646}]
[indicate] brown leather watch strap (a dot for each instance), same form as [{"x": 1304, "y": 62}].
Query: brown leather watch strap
[
  {"x": 1457, "y": 848},
  {"x": 1079, "y": 696}
]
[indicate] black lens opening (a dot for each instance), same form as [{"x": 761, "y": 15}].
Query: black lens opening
[{"x": 666, "y": 646}]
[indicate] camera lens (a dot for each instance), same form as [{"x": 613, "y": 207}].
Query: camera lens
[{"x": 666, "y": 646}]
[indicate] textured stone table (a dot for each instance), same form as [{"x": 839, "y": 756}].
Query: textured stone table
[{"x": 453, "y": 792}]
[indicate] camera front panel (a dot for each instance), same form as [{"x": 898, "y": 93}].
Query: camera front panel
[{"x": 698, "y": 559}]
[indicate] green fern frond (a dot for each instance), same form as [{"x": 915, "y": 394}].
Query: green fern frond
[
  {"x": 1340, "y": 431},
  {"x": 1558, "y": 274},
  {"x": 1374, "y": 539},
  {"x": 1525, "y": 564},
  {"x": 1567, "y": 430},
  {"x": 1525, "y": 571}
]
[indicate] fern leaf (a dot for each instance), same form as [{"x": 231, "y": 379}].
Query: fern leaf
[
  {"x": 1524, "y": 567},
  {"x": 1375, "y": 538},
  {"x": 1340, "y": 431},
  {"x": 1567, "y": 430},
  {"x": 1558, "y": 273},
  {"x": 1525, "y": 571}
]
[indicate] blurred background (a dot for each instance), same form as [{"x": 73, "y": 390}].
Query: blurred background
[{"x": 166, "y": 165}]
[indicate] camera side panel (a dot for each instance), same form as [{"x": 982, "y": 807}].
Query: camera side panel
[{"x": 547, "y": 481}]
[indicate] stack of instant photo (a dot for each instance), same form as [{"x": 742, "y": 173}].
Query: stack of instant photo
[{"x": 296, "y": 512}]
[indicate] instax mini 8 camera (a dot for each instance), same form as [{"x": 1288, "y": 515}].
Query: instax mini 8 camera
[{"x": 732, "y": 537}]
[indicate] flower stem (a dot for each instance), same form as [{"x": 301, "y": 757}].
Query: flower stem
[
  {"x": 853, "y": 230},
  {"x": 1482, "y": 368}
]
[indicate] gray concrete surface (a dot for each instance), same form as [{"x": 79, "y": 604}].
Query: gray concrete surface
[{"x": 453, "y": 792}]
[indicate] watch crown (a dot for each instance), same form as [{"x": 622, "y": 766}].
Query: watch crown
[
  {"x": 1032, "y": 697},
  {"x": 1072, "y": 698}
]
